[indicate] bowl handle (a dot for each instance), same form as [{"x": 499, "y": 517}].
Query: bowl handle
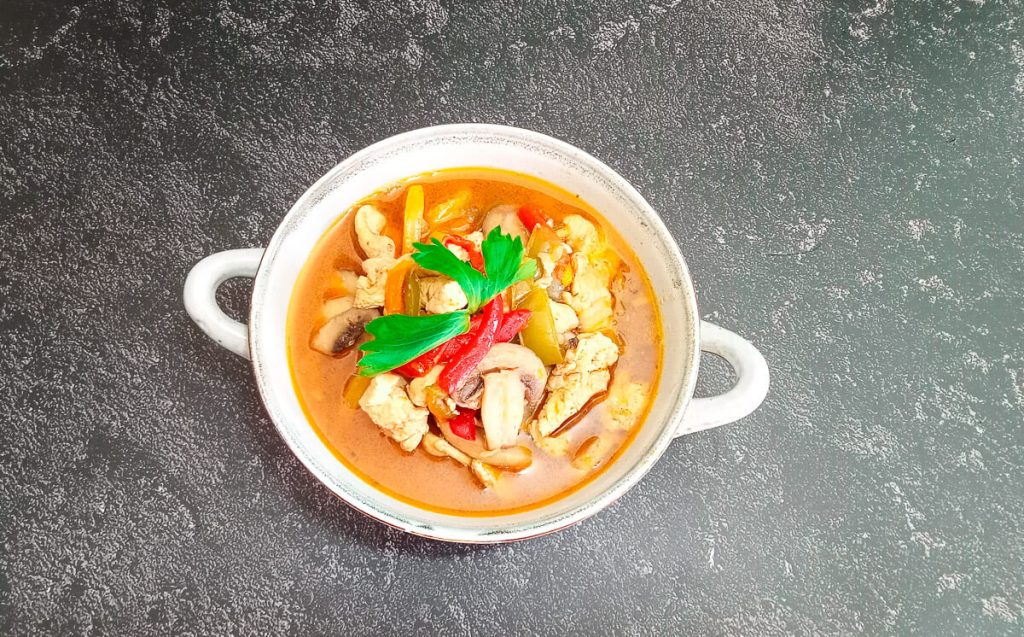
[
  {"x": 201, "y": 296},
  {"x": 746, "y": 395}
]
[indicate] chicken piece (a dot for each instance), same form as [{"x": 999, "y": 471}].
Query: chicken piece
[
  {"x": 486, "y": 474},
  {"x": 439, "y": 295},
  {"x": 389, "y": 407},
  {"x": 370, "y": 224},
  {"x": 506, "y": 217},
  {"x": 565, "y": 319},
  {"x": 572, "y": 383},
  {"x": 559, "y": 251},
  {"x": 625, "y": 404},
  {"x": 476, "y": 238},
  {"x": 590, "y": 295},
  {"x": 580, "y": 234},
  {"x": 568, "y": 395},
  {"x": 370, "y": 287},
  {"x": 418, "y": 387},
  {"x": 592, "y": 352},
  {"x": 458, "y": 251},
  {"x": 591, "y": 453},
  {"x": 437, "y": 446},
  {"x": 593, "y": 267}
]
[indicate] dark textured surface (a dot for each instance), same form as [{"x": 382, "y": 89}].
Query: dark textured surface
[{"x": 846, "y": 183}]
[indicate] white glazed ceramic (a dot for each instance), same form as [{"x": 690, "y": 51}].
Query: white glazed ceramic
[{"x": 675, "y": 412}]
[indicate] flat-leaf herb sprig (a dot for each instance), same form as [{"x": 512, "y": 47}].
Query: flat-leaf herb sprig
[{"x": 399, "y": 338}]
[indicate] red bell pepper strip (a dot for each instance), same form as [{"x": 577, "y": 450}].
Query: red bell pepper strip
[
  {"x": 469, "y": 355},
  {"x": 463, "y": 424},
  {"x": 475, "y": 258},
  {"x": 446, "y": 350},
  {"x": 511, "y": 324},
  {"x": 531, "y": 216},
  {"x": 423, "y": 363},
  {"x": 418, "y": 366}
]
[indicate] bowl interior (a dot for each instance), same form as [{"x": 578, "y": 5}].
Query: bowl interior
[{"x": 478, "y": 146}]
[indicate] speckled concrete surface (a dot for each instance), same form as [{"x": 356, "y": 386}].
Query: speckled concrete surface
[{"x": 846, "y": 183}]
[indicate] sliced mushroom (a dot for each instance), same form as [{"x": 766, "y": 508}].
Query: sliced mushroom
[
  {"x": 337, "y": 306},
  {"x": 591, "y": 453},
  {"x": 487, "y": 476},
  {"x": 532, "y": 374},
  {"x": 342, "y": 331},
  {"x": 507, "y": 217},
  {"x": 437, "y": 446},
  {"x": 469, "y": 392},
  {"x": 502, "y": 407},
  {"x": 512, "y": 458}
]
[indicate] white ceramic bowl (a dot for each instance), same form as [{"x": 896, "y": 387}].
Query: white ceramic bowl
[{"x": 675, "y": 412}]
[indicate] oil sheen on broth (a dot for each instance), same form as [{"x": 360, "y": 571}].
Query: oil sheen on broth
[{"x": 437, "y": 483}]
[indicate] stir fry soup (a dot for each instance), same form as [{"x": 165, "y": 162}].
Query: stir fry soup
[{"x": 474, "y": 341}]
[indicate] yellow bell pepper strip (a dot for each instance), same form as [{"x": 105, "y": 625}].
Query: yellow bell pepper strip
[
  {"x": 449, "y": 209},
  {"x": 354, "y": 390},
  {"x": 539, "y": 334},
  {"x": 458, "y": 226},
  {"x": 394, "y": 287},
  {"x": 412, "y": 294},
  {"x": 542, "y": 239},
  {"x": 413, "y": 225},
  {"x": 566, "y": 277}
]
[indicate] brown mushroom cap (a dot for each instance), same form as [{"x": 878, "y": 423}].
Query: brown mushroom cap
[
  {"x": 514, "y": 458},
  {"x": 342, "y": 331},
  {"x": 532, "y": 374}
]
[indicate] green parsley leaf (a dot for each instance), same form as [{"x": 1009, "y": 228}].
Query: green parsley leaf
[
  {"x": 398, "y": 338},
  {"x": 503, "y": 262},
  {"x": 436, "y": 257}
]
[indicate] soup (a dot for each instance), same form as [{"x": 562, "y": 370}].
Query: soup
[{"x": 474, "y": 341}]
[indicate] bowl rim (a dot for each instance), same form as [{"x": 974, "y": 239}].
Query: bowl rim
[{"x": 630, "y": 475}]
